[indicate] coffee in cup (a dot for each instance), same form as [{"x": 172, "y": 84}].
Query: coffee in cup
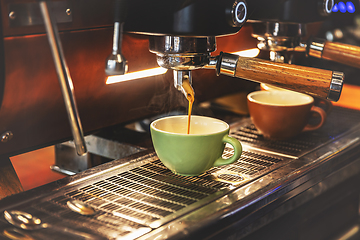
[
  {"x": 319, "y": 102},
  {"x": 194, "y": 153},
  {"x": 281, "y": 115}
]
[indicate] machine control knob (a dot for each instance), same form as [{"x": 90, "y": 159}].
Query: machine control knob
[
  {"x": 238, "y": 13},
  {"x": 325, "y": 7}
]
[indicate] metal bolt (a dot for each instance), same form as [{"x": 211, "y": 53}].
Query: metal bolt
[
  {"x": 68, "y": 11},
  {"x": 12, "y": 15},
  {"x": 6, "y": 136}
]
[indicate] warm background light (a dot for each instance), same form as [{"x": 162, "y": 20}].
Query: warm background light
[
  {"x": 253, "y": 52},
  {"x": 159, "y": 70},
  {"x": 135, "y": 75}
]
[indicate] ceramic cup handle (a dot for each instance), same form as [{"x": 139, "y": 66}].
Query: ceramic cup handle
[
  {"x": 322, "y": 115},
  {"x": 324, "y": 104},
  {"x": 237, "y": 151}
]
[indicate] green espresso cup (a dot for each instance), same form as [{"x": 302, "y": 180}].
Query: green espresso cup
[{"x": 192, "y": 154}]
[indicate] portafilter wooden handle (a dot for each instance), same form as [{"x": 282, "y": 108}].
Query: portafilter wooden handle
[
  {"x": 316, "y": 82},
  {"x": 337, "y": 52}
]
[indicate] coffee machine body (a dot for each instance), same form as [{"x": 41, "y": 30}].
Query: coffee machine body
[
  {"x": 184, "y": 18},
  {"x": 32, "y": 110},
  {"x": 290, "y": 11}
]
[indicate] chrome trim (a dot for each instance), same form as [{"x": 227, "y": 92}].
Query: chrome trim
[
  {"x": 316, "y": 47},
  {"x": 181, "y": 45},
  {"x": 336, "y": 86},
  {"x": 278, "y": 36},
  {"x": 116, "y": 63},
  {"x": 226, "y": 64},
  {"x": 179, "y": 77},
  {"x": 182, "y": 53},
  {"x": 182, "y": 62}
]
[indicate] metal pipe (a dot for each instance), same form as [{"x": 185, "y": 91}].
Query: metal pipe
[
  {"x": 64, "y": 78},
  {"x": 116, "y": 63}
]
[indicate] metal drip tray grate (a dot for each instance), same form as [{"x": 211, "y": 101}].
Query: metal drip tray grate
[
  {"x": 146, "y": 195},
  {"x": 251, "y": 136},
  {"x": 339, "y": 121},
  {"x": 55, "y": 212},
  {"x": 131, "y": 200}
]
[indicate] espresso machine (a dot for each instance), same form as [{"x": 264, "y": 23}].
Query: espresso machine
[
  {"x": 284, "y": 35},
  {"x": 292, "y": 189}
]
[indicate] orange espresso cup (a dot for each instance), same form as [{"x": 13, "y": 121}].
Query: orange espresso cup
[
  {"x": 322, "y": 103},
  {"x": 281, "y": 115}
]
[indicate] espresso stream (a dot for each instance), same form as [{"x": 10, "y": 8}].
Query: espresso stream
[{"x": 190, "y": 97}]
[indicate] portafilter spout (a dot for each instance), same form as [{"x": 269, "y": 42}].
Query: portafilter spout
[
  {"x": 116, "y": 63},
  {"x": 183, "y": 83}
]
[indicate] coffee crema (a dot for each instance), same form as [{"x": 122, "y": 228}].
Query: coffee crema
[{"x": 280, "y": 98}]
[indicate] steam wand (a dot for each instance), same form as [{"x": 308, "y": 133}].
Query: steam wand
[
  {"x": 116, "y": 64},
  {"x": 64, "y": 78}
]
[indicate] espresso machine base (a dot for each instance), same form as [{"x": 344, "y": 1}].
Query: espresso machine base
[
  {"x": 283, "y": 188},
  {"x": 100, "y": 150}
]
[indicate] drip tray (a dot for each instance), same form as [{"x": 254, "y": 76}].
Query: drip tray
[
  {"x": 150, "y": 194},
  {"x": 136, "y": 197},
  {"x": 132, "y": 200},
  {"x": 339, "y": 121}
]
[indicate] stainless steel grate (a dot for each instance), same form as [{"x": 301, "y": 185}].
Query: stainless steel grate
[
  {"x": 250, "y": 135},
  {"x": 306, "y": 141},
  {"x": 55, "y": 212},
  {"x": 129, "y": 203},
  {"x": 133, "y": 200},
  {"x": 250, "y": 163},
  {"x": 151, "y": 192},
  {"x": 143, "y": 194}
]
